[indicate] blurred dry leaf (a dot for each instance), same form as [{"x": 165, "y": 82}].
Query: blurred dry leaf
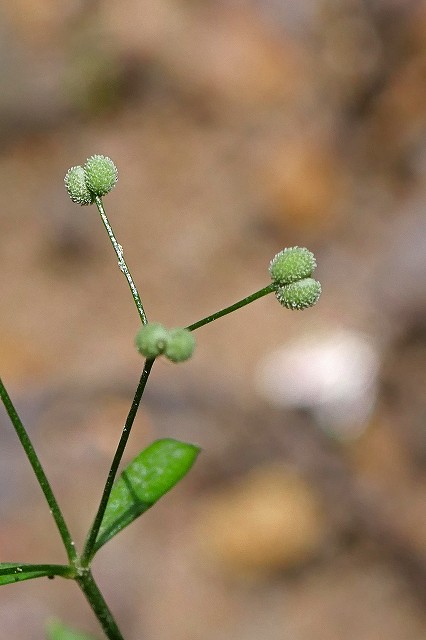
[
  {"x": 270, "y": 520},
  {"x": 303, "y": 184}
]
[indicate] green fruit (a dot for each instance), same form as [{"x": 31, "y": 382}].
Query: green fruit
[
  {"x": 180, "y": 345},
  {"x": 290, "y": 265},
  {"x": 101, "y": 175},
  {"x": 75, "y": 183},
  {"x": 299, "y": 295},
  {"x": 151, "y": 339}
]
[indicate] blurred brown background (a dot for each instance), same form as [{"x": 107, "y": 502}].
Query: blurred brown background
[{"x": 238, "y": 128}]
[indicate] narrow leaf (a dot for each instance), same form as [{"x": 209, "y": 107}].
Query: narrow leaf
[
  {"x": 15, "y": 572},
  {"x": 148, "y": 477},
  {"x": 58, "y": 631}
]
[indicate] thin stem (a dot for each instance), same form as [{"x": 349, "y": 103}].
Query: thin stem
[
  {"x": 39, "y": 473},
  {"x": 90, "y": 546},
  {"x": 237, "y": 305},
  {"x": 121, "y": 261},
  {"x": 100, "y": 608}
]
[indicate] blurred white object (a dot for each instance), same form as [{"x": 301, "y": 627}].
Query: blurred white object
[{"x": 334, "y": 376}]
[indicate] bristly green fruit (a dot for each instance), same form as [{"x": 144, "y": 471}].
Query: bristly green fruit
[
  {"x": 180, "y": 345},
  {"x": 75, "y": 183},
  {"x": 101, "y": 175},
  {"x": 291, "y": 265},
  {"x": 299, "y": 295},
  {"x": 151, "y": 339}
]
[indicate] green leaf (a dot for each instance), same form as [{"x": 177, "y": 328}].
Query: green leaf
[
  {"x": 58, "y": 631},
  {"x": 148, "y": 477},
  {"x": 17, "y": 572}
]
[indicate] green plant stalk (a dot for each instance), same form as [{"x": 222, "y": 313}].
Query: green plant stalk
[
  {"x": 97, "y": 603},
  {"x": 233, "y": 307},
  {"x": 121, "y": 261},
  {"x": 90, "y": 545},
  {"x": 40, "y": 474}
]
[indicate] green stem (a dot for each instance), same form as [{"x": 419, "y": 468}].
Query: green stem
[
  {"x": 90, "y": 546},
  {"x": 39, "y": 473},
  {"x": 100, "y": 608},
  {"x": 121, "y": 261},
  {"x": 237, "y": 305}
]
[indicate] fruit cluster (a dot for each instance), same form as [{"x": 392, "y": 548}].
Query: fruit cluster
[
  {"x": 291, "y": 271},
  {"x": 153, "y": 339},
  {"x": 98, "y": 176}
]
